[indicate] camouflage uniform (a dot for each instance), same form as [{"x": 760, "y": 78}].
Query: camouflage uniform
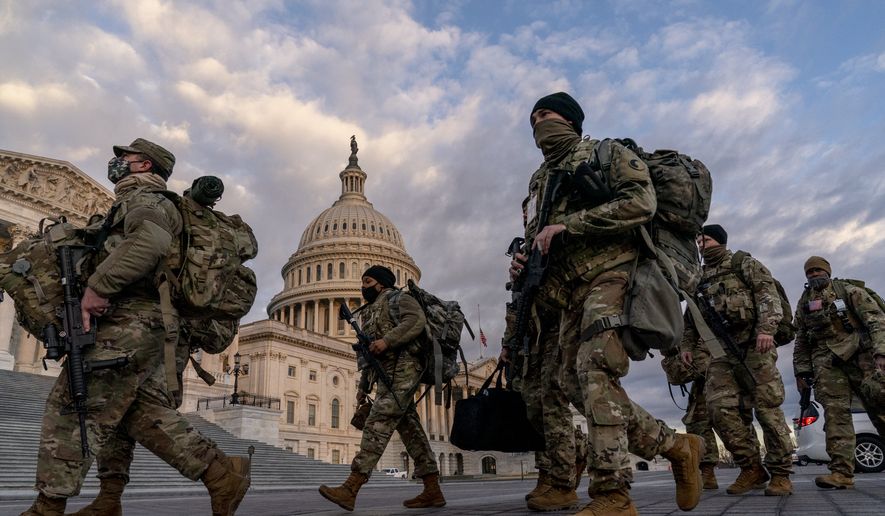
[
  {"x": 404, "y": 365},
  {"x": 586, "y": 280},
  {"x": 842, "y": 363},
  {"x": 748, "y": 309},
  {"x": 696, "y": 419},
  {"x": 536, "y": 378},
  {"x": 133, "y": 399}
]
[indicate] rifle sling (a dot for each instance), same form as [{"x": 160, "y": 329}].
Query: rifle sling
[{"x": 706, "y": 334}]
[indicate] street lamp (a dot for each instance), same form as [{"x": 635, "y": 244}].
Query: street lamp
[{"x": 235, "y": 397}]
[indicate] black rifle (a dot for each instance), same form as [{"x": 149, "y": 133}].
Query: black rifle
[
  {"x": 743, "y": 376},
  {"x": 529, "y": 281},
  {"x": 73, "y": 340},
  {"x": 362, "y": 350}
]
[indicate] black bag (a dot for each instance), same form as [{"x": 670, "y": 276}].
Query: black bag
[{"x": 494, "y": 419}]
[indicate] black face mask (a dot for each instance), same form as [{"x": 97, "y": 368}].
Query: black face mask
[{"x": 370, "y": 294}]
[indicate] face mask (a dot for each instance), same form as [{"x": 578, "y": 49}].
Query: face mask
[
  {"x": 819, "y": 283},
  {"x": 369, "y": 294},
  {"x": 555, "y": 138},
  {"x": 118, "y": 168},
  {"x": 714, "y": 255}
]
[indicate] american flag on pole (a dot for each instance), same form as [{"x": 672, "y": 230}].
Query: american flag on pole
[{"x": 482, "y": 339}]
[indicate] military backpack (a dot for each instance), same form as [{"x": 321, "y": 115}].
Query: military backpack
[
  {"x": 786, "y": 330},
  {"x": 839, "y": 287},
  {"x": 441, "y": 343},
  {"x": 208, "y": 276}
]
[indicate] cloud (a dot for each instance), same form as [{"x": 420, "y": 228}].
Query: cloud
[{"x": 24, "y": 99}]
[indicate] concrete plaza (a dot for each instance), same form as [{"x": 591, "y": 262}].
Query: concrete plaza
[{"x": 653, "y": 493}]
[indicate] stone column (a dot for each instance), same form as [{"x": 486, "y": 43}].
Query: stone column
[
  {"x": 316, "y": 316},
  {"x": 292, "y": 314},
  {"x": 331, "y": 317}
]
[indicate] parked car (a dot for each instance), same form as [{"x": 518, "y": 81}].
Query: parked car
[
  {"x": 869, "y": 451},
  {"x": 394, "y": 472}
]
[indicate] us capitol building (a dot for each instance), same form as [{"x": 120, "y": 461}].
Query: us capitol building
[{"x": 296, "y": 369}]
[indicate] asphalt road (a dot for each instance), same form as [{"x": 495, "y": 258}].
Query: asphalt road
[{"x": 653, "y": 493}]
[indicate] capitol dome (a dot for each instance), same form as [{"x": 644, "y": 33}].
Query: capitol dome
[{"x": 334, "y": 250}]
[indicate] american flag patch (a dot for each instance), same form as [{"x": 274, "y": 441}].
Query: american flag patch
[{"x": 814, "y": 306}]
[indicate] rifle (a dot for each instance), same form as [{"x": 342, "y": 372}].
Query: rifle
[
  {"x": 744, "y": 376},
  {"x": 362, "y": 350},
  {"x": 529, "y": 282},
  {"x": 73, "y": 341}
]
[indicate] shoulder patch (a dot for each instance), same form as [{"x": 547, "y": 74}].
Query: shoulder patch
[{"x": 635, "y": 164}]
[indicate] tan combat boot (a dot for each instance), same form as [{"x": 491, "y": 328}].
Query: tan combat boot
[
  {"x": 556, "y": 498},
  {"x": 708, "y": 474},
  {"x": 541, "y": 487},
  {"x": 227, "y": 479},
  {"x": 834, "y": 480},
  {"x": 611, "y": 503},
  {"x": 780, "y": 485},
  {"x": 750, "y": 478},
  {"x": 107, "y": 503},
  {"x": 685, "y": 460},
  {"x": 46, "y": 506},
  {"x": 431, "y": 496},
  {"x": 345, "y": 494}
]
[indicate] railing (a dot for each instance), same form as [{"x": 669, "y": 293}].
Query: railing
[{"x": 243, "y": 398}]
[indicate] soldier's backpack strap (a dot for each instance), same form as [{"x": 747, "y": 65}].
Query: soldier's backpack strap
[{"x": 704, "y": 332}]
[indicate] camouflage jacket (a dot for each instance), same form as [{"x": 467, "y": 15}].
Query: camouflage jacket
[
  {"x": 378, "y": 323},
  {"x": 749, "y": 308},
  {"x": 145, "y": 226},
  {"x": 821, "y": 329},
  {"x": 597, "y": 237}
]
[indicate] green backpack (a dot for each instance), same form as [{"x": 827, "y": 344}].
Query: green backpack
[
  {"x": 786, "y": 330},
  {"x": 442, "y": 336},
  {"x": 839, "y": 287},
  {"x": 30, "y": 274},
  {"x": 208, "y": 276}
]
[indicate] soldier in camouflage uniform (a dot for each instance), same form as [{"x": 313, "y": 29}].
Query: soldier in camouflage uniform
[
  {"x": 535, "y": 375},
  {"x": 748, "y": 303},
  {"x": 114, "y": 461},
  {"x": 134, "y": 399},
  {"x": 400, "y": 353},
  {"x": 840, "y": 349},
  {"x": 591, "y": 247}
]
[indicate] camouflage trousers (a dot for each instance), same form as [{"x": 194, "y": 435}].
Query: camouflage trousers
[
  {"x": 835, "y": 381},
  {"x": 386, "y": 417},
  {"x": 115, "y": 458},
  {"x": 697, "y": 421},
  {"x": 590, "y": 373},
  {"x": 731, "y": 410},
  {"x": 126, "y": 404},
  {"x": 547, "y": 407}
]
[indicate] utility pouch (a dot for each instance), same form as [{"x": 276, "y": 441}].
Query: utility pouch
[{"x": 361, "y": 414}]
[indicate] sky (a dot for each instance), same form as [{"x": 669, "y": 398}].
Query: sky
[{"x": 782, "y": 100}]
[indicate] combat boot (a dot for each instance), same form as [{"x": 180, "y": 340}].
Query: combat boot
[
  {"x": 708, "y": 474},
  {"x": 541, "y": 487},
  {"x": 227, "y": 479},
  {"x": 107, "y": 503},
  {"x": 685, "y": 460},
  {"x": 431, "y": 496},
  {"x": 610, "y": 503},
  {"x": 780, "y": 485},
  {"x": 556, "y": 498},
  {"x": 46, "y": 506},
  {"x": 835, "y": 480},
  {"x": 749, "y": 478},
  {"x": 345, "y": 494}
]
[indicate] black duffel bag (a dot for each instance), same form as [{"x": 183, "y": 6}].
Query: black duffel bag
[{"x": 494, "y": 419}]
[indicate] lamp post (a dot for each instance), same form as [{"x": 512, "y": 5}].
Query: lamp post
[{"x": 235, "y": 397}]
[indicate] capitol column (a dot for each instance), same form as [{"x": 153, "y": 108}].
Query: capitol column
[{"x": 332, "y": 313}]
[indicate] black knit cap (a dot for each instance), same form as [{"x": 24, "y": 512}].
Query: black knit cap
[
  {"x": 717, "y": 232},
  {"x": 382, "y": 275},
  {"x": 563, "y": 104}
]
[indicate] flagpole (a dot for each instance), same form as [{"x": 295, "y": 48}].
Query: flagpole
[{"x": 479, "y": 324}]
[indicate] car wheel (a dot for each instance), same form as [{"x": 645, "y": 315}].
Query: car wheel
[
  {"x": 869, "y": 454},
  {"x": 802, "y": 462}
]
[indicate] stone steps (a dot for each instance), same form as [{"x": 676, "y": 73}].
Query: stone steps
[{"x": 21, "y": 412}]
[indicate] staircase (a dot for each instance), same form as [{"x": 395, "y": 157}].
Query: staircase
[{"x": 21, "y": 411}]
